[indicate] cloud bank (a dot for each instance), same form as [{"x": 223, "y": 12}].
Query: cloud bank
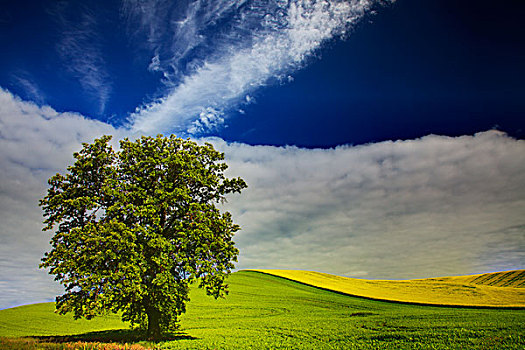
[
  {"x": 35, "y": 143},
  {"x": 215, "y": 54},
  {"x": 405, "y": 209}
]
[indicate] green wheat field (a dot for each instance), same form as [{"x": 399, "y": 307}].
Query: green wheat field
[{"x": 264, "y": 311}]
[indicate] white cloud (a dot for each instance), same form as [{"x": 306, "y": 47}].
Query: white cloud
[
  {"x": 265, "y": 41},
  {"x": 154, "y": 66},
  {"x": 406, "y": 209},
  {"x": 209, "y": 119},
  {"x": 35, "y": 143}
]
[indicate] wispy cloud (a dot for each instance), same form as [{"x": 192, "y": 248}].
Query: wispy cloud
[
  {"x": 80, "y": 49},
  {"x": 211, "y": 66},
  {"x": 172, "y": 30},
  {"x": 24, "y": 80}
]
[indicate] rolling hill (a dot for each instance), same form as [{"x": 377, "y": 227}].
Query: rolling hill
[
  {"x": 498, "y": 289},
  {"x": 269, "y": 312}
]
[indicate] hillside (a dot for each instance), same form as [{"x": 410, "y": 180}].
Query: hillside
[
  {"x": 514, "y": 278},
  {"x": 269, "y": 312},
  {"x": 499, "y": 289}
]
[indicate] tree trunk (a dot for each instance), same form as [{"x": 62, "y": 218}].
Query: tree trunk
[{"x": 153, "y": 323}]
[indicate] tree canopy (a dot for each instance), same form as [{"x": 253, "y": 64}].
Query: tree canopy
[{"x": 135, "y": 227}]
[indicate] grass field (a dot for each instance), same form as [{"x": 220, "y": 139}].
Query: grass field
[
  {"x": 499, "y": 289},
  {"x": 269, "y": 312}
]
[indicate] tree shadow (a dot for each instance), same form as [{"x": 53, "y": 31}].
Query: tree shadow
[{"x": 112, "y": 336}]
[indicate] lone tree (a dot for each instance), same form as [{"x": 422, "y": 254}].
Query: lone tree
[{"x": 135, "y": 227}]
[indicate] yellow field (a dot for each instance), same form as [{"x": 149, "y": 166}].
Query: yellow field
[{"x": 498, "y": 289}]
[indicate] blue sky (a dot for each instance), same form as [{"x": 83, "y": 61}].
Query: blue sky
[
  {"x": 412, "y": 69},
  {"x": 379, "y": 139}
]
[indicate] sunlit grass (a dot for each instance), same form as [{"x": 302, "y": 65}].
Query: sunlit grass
[
  {"x": 41, "y": 320},
  {"x": 268, "y": 312},
  {"x": 500, "y": 289}
]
